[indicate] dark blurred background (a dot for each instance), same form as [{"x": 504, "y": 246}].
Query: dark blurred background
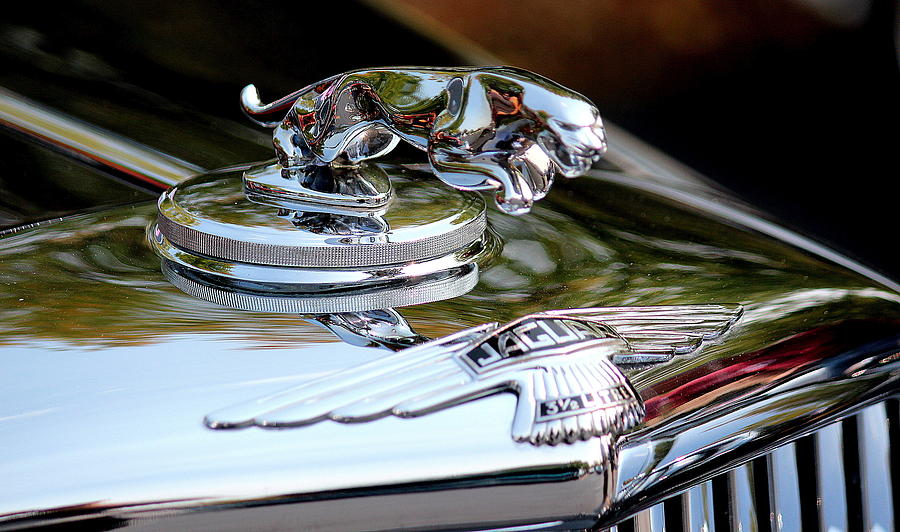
[{"x": 791, "y": 104}]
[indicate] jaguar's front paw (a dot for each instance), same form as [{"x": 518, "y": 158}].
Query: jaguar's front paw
[
  {"x": 529, "y": 175},
  {"x": 520, "y": 178}
]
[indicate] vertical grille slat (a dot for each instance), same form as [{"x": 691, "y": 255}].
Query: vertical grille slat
[
  {"x": 842, "y": 478},
  {"x": 698, "y": 508},
  {"x": 742, "y": 500},
  {"x": 830, "y": 480},
  {"x": 874, "y": 469},
  {"x": 783, "y": 489},
  {"x": 651, "y": 520},
  {"x": 893, "y": 408}
]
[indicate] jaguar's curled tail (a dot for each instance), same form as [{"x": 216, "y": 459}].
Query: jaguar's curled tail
[{"x": 271, "y": 114}]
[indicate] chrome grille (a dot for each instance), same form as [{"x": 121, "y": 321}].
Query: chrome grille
[{"x": 843, "y": 477}]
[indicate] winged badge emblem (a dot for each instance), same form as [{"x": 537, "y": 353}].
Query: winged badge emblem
[{"x": 560, "y": 364}]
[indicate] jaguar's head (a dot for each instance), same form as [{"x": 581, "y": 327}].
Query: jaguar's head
[{"x": 573, "y": 136}]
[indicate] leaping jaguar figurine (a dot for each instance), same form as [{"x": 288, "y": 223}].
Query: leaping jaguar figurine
[{"x": 500, "y": 128}]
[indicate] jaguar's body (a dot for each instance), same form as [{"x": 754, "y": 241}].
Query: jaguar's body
[{"x": 484, "y": 128}]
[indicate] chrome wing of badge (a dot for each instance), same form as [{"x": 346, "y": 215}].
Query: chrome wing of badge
[{"x": 560, "y": 364}]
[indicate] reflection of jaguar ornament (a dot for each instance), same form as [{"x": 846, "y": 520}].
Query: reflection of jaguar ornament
[{"x": 498, "y": 128}]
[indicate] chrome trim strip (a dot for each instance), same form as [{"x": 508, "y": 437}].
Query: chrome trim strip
[
  {"x": 831, "y": 485},
  {"x": 742, "y": 504},
  {"x": 874, "y": 469},
  {"x": 698, "y": 508},
  {"x": 551, "y": 525},
  {"x": 86, "y": 141}
]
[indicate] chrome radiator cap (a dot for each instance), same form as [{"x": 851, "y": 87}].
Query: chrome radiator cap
[{"x": 216, "y": 217}]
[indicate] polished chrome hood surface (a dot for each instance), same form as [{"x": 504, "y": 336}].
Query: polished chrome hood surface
[
  {"x": 108, "y": 369},
  {"x": 111, "y": 376}
]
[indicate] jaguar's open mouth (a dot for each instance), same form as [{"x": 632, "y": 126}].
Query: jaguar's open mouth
[{"x": 572, "y": 159}]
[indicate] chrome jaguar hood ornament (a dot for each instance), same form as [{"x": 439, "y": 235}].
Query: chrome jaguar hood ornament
[
  {"x": 484, "y": 128},
  {"x": 560, "y": 364},
  {"x": 323, "y": 219}
]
